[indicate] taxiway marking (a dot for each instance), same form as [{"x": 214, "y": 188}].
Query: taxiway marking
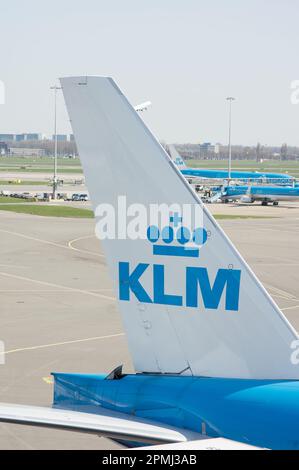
[
  {"x": 66, "y": 288},
  {"x": 62, "y": 343}
]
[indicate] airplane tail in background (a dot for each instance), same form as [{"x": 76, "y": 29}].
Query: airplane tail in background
[
  {"x": 176, "y": 157},
  {"x": 189, "y": 302}
]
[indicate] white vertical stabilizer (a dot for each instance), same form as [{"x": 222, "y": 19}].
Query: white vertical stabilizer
[
  {"x": 203, "y": 313},
  {"x": 176, "y": 157}
]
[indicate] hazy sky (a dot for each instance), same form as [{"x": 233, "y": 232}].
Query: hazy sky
[{"x": 185, "y": 56}]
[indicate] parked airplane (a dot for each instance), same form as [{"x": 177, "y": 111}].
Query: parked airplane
[
  {"x": 211, "y": 350},
  {"x": 245, "y": 176},
  {"x": 265, "y": 194},
  {"x": 143, "y": 106}
]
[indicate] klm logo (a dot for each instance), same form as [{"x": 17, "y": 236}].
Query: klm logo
[
  {"x": 187, "y": 243},
  {"x": 198, "y": 288},
  {"x": 197, "y": 282},
  {"x": 179, "y": 161}
]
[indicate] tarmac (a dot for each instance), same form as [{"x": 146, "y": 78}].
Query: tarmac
[{"x": 58, "y": 310}]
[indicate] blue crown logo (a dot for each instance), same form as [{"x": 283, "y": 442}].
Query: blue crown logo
[{"x": 176, "y": 232}]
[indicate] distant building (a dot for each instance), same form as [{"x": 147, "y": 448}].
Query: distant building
[
  {"x": 26, "y": 152},
  {"x": 28, "y": 137},
  {"x": 20, "y": 137},
  {"x": 3, "y": 148},
  {"x": 206, "y": 149},
  {"x": 60, "y": 137},
  {"x": 7, "y": 137}
]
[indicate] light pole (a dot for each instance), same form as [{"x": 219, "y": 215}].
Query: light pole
[
  {"x": 230, "y": 99},
  {"x": 55, "y": 88}
]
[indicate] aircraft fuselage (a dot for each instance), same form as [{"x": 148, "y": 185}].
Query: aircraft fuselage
[{"x": 264, "y": 413}]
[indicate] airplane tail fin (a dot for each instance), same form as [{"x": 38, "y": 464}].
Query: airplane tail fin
[
  {"x": 189, "y": 302},
  {"x": 176, "y": 157}
]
